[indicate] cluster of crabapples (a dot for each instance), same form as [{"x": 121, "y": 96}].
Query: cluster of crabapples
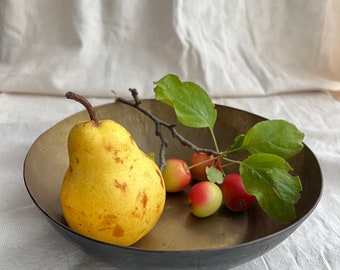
[{"x": 205, "y": 197}]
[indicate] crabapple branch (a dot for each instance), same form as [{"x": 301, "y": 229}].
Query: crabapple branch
[{"x": 136, "y": 103}]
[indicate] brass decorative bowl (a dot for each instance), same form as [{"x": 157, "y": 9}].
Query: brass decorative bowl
[{"x": 179, "y": 240}]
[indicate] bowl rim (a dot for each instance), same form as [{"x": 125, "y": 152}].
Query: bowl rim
[{"x": 289, "y": 229}]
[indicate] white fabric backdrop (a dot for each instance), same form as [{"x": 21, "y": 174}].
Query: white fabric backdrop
[
  {"x": 231, "y": 48},
  {"x": 267, "y": 57}
]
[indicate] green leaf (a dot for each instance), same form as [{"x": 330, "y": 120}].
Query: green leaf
[
  {"x": 214, "y": 175},
  {"x": 238, "y": 144},
  {"x": 152, "y": 155},
  {"x": 192, "y": 105},
  {"x": 277, "y": 137},
  {"x": 267, "y": 177}
]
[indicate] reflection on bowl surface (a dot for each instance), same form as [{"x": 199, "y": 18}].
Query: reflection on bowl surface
[{"x": 179, "y": 240}]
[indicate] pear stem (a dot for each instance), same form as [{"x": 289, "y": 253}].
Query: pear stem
[{"x": 81, "y": 99}]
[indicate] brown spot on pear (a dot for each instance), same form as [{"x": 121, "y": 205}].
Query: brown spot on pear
[
  {"x": 118, "y": 231},
  {"x": 118, "y": 160},
  {"x": 121, "y": 186}
]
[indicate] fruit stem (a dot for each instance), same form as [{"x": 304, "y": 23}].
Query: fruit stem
[
  {"x": 214, "y": 139},
  {"x": 81, "y": 99},
  {"x": 204, "y": 161},
  {"x": 231, "y": 160}
]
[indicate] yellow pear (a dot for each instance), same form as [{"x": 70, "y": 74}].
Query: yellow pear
[{"x": 112, "y": 191}]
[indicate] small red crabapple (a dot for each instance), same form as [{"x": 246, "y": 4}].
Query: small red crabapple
[
  {"x": 235, "y": 196},
  {"x": 204, "y": 198},
  {"x": 204, "y": 160},
  {"x": 176, "y": 175}
]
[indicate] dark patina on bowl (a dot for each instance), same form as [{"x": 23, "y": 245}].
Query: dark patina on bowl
[{"x": 179, "y": 240}]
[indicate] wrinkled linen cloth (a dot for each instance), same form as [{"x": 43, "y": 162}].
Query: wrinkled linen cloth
[{"x": 277, "y": 59}]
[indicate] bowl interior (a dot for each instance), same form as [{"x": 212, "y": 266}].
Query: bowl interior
[{"x": 177, "y": 229}]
